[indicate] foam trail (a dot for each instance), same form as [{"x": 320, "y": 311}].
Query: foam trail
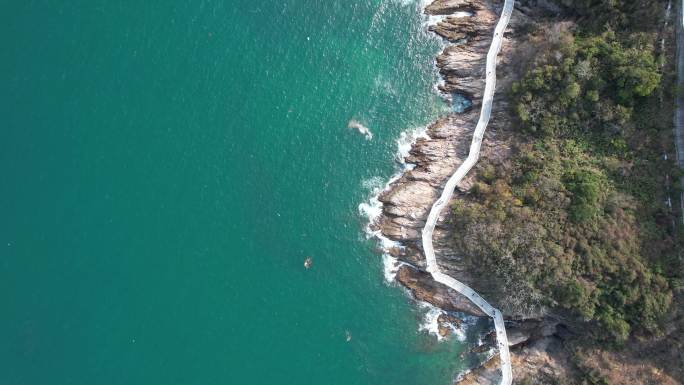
[{"x": 356, "y": 125}]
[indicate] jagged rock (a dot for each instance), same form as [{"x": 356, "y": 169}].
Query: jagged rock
[
  {"x": 488, "y": 343},
  {"x": 490, "y": 338},
  {"x": 448, "y": 7},
  {"x": 463, "y": 72},
  {"x": 407, "y": 202},
  {"x": 541, "y": 362},
  {"x": 455, "y": 29},
  {"x": 424, "y": 288},
  {"x": 446, "y": 323},
  {"x": 516, "y": 337},
  {"x": 395, "y": 251},
  {"x": 447, "y": 318},
  {"x": 523, "y": 331},
  {"x": 462, "y": 65},
  {"x": 487, "y": 374},
  {"x": 399, "y": 201},
  {"x": 443, "y": 330}
]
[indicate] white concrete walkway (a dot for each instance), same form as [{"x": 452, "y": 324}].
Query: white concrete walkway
[{"x": 473, "y": 155}]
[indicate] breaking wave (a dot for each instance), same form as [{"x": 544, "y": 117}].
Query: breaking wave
[{"x": 372, "y": 208}]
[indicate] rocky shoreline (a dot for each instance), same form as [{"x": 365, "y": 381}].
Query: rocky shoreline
[
  {"x": 407, "y": 201},
  {"x": 466, "y": 26}
]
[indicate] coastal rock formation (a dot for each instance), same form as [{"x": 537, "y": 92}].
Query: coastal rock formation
[
  {"x": 487, "y": 374},
  {"x": 407, "y": 203},
  {"x": 424, "y": 288},
  {"x": 457, "y": 28},
  {"x": 408, "y": 200},
  {"x": 449, "y": 7},
  {"x": 462, "y": 63},
  {"x": 446, "y": 323},
  {"x": 543, "y": 360},
  {"x": 450, "y": 319},
  {"x": 538, "y": 348}
]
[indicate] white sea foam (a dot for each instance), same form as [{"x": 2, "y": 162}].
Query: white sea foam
[
  {"x": 436, "y": 19},
  {"x": 462, "y": 375},
  {"x": 425, "y": 3},
  {"x": 406, "y": 2},
  {"x": 430, "y": 323},
  {"x": 429, "y": 20},
  {"x": 463, "y": 14},
  {"x": 390, "y": 266},
  {"x": 459, "y": 333},
  {"x": 433, "y": 20},
  {"x": 372, "y": 208},
  {"x": 406, "y": 140}
]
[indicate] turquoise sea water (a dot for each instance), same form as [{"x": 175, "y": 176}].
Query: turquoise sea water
[{"x": 168, "y": 165}]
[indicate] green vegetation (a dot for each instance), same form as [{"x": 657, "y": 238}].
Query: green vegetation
[
  {"x": 590, "y": 84},
  {"x": 625, "y": 15},
  {"x": 575, "y": 219}
]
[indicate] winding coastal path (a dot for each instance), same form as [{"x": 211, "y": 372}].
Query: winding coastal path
[{"x": 448, "y": 191}]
